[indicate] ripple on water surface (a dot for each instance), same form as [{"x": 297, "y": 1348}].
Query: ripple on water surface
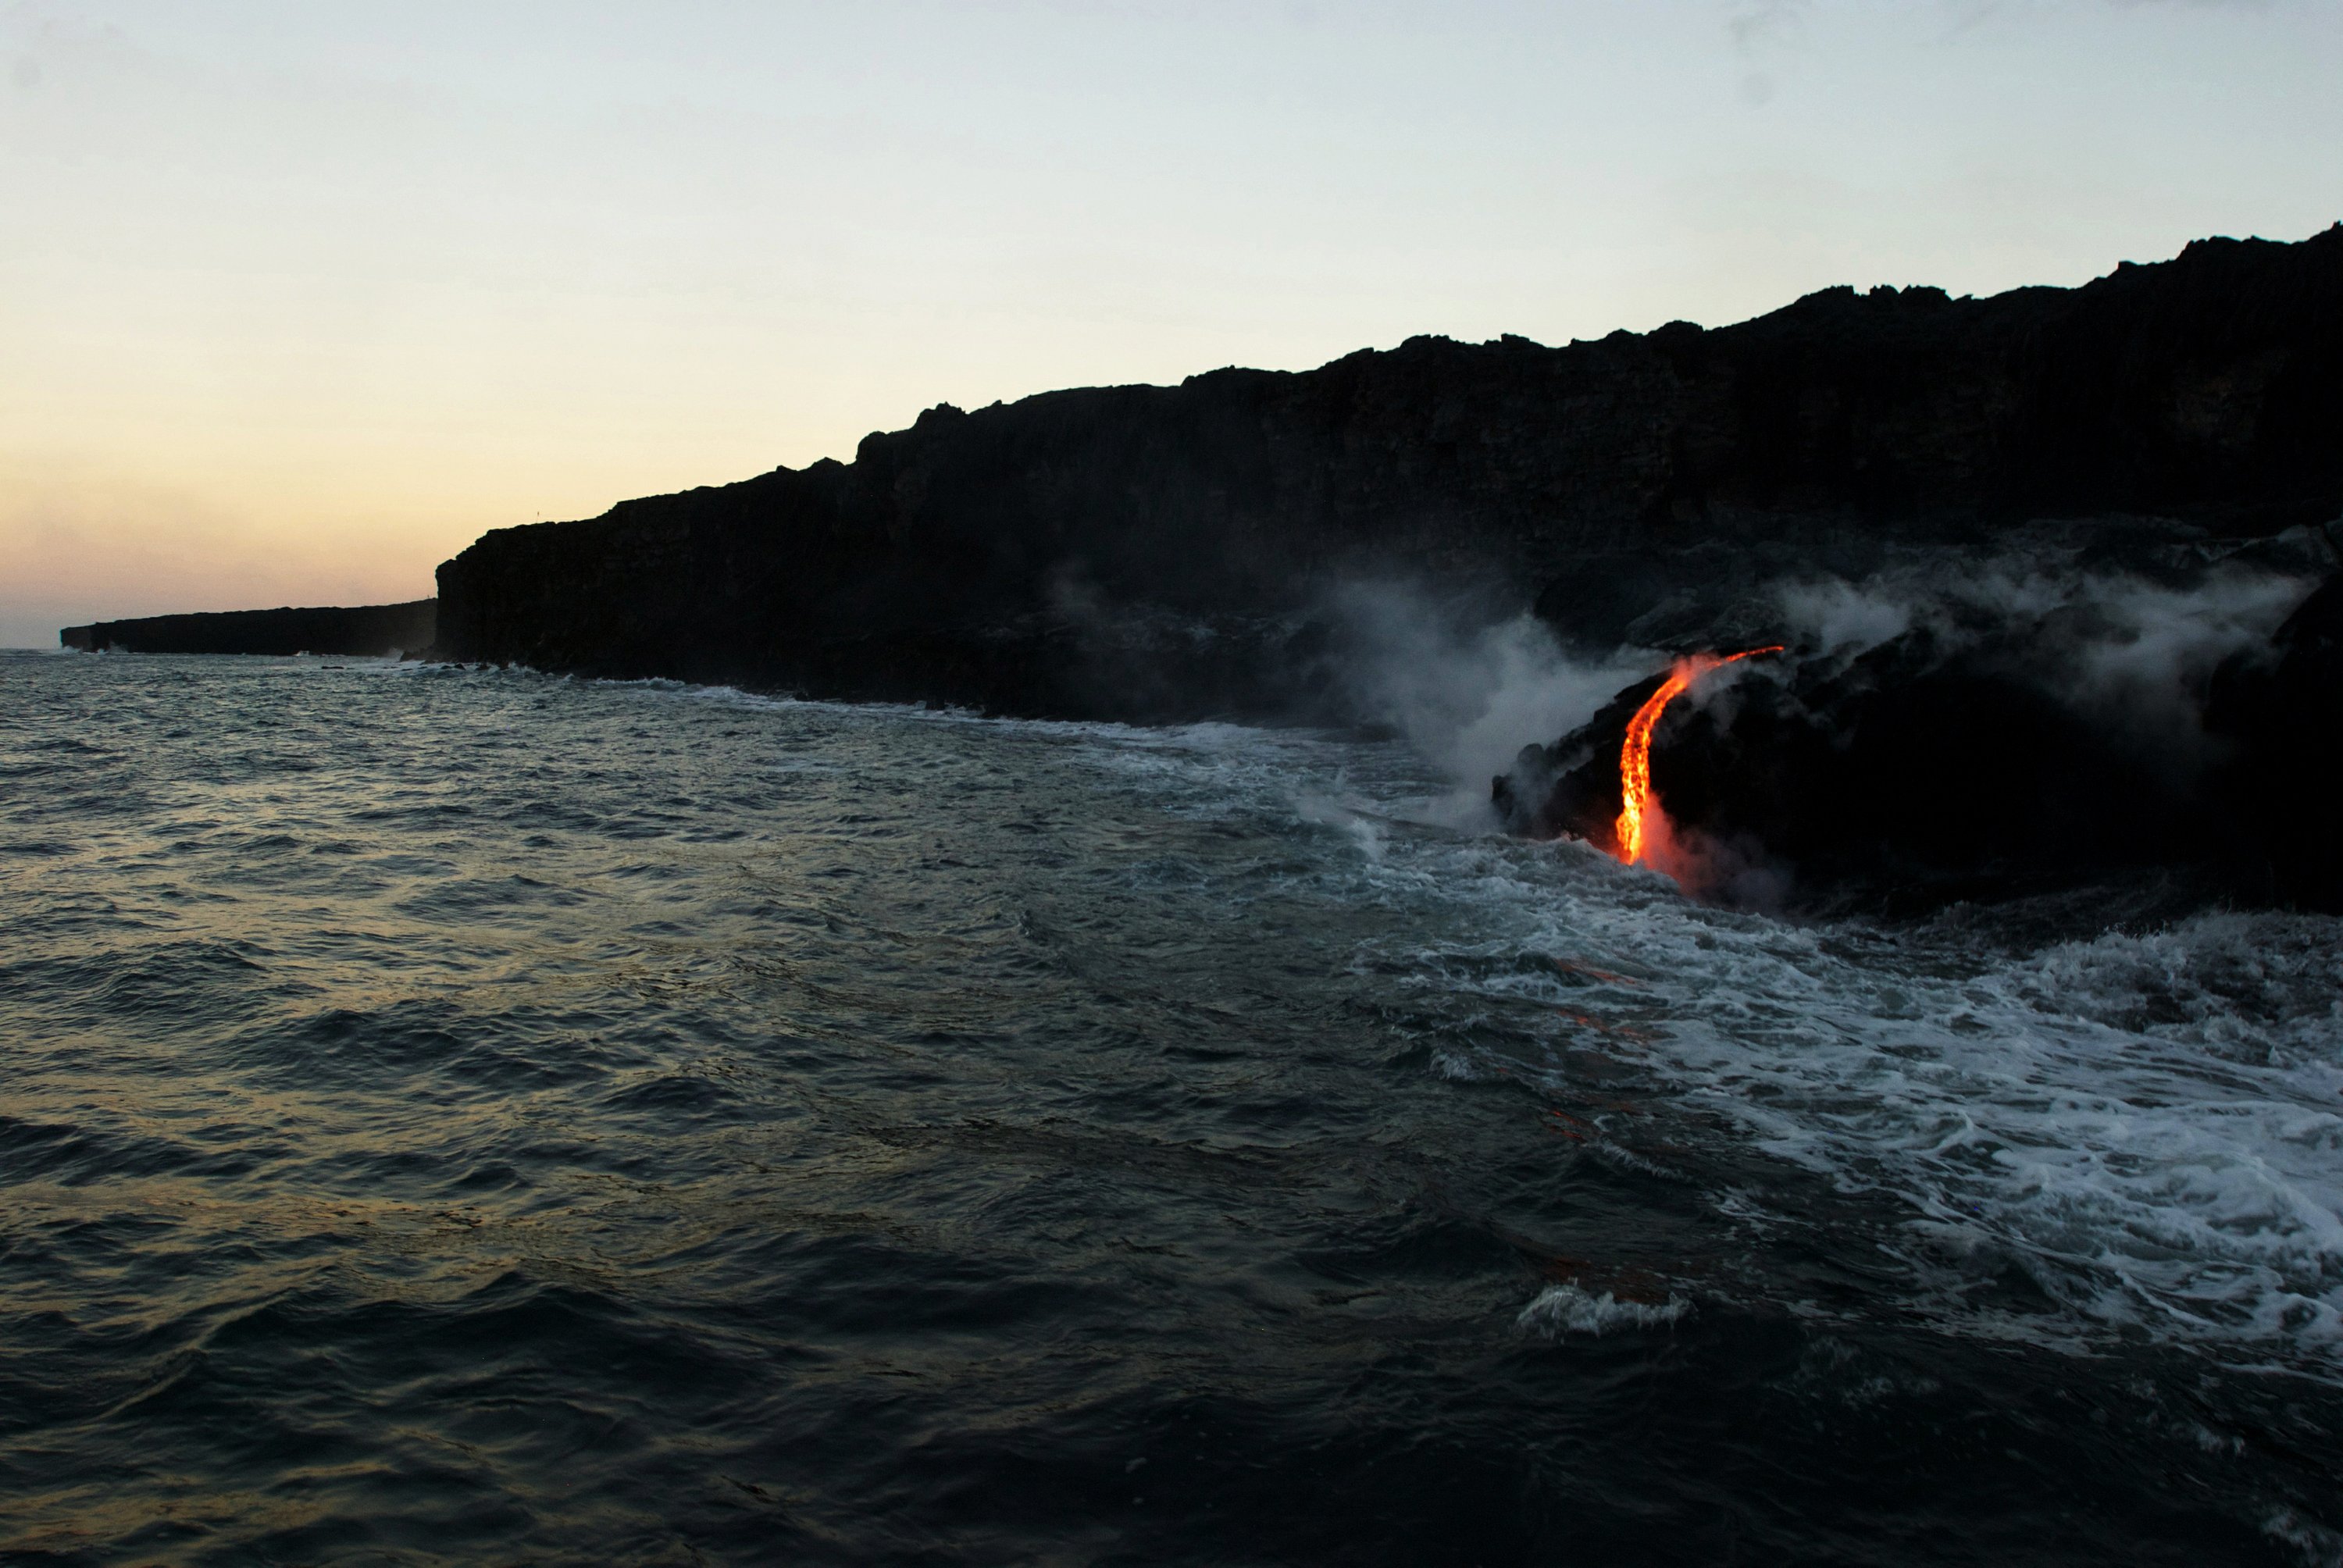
[{"x": 459, "y": 1117}]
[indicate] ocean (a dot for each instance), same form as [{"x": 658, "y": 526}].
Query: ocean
[{"x": 473, "y": 1116}]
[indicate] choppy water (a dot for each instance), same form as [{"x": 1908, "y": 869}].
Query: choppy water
[{"x": 458, "y": 1116}]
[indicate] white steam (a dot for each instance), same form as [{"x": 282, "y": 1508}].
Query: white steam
[
  {"x": 1838, "y": 617},
  {"x": 1469, "y": 695},
  {"x": 2162, "y": 646},
  {"x": 2133, "y": 655}
]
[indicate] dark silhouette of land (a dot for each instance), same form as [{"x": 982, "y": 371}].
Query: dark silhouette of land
[
  {"x": 1144, "y": 552},
  {"x": 367, "y": 630},
  {"x": 1153, "y": 553}
]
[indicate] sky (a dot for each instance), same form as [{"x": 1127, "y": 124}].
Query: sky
[{"x": 296, "y": 300}]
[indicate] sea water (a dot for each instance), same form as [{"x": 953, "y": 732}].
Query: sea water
[{"x": 473, "y": 1116}]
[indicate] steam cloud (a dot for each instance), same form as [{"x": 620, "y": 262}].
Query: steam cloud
[
  {"x": 2132, "y": 656},
  {"x": 2129, "y": 647},
  {"x": 1467, "y": 693}
]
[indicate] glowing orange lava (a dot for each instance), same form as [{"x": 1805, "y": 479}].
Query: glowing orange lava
[{"x": 1635, "y": 756}]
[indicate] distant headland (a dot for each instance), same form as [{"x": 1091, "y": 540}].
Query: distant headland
[{"x": 362, "y": 630}]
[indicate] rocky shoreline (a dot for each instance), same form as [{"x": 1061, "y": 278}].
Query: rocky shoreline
[{"x": 1162, "y": 553}]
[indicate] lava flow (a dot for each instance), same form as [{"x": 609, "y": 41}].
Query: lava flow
[{"x": 1635, "y": 756}]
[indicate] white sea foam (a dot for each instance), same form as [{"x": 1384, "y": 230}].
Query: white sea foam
[
  {"x": 2314, "y": 1543},
  {"x": 2148, "y": 1127},
  {"x": 1567, "y": 1309}
]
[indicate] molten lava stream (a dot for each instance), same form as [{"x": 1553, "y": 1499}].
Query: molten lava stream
[{"x": 1635, "y": 756}]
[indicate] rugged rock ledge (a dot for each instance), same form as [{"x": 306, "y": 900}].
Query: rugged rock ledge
[
  {"x": 365, "y": 629},
  {"x": 1147, "y": 552},
  {"x": 1951, "y": 762}
]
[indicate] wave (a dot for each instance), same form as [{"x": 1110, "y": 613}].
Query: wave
[{"x": 1567, "y": 1309}]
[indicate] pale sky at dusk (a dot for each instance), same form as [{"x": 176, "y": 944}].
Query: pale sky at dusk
[{"x": 296, "y": 300}]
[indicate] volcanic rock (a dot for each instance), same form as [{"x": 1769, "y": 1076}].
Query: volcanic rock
[
  {"x": 2283, "y": 708},
  {"x": 1936, "y": 767},
  {"x": 1150, "y": 552},
  {"x": 1934, "y": 775},
  {"x": 364, "y": 630}
]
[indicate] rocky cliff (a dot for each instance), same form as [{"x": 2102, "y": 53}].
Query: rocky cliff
[
  {"x": 1148, "y": 552},
  {"x": 2031, "y": 558},
  {"x": 2124, "y": 736},
  {"x": 365, "y": 629}
]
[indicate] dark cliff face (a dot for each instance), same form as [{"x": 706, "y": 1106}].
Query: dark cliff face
[
  {"x": 2071, "y": 747},
  {"x": 1147, "y": 552},
  {"x": 363, "y": 629}
]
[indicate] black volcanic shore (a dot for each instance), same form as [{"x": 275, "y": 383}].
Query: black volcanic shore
[
  {"x": 361, "y": 630},
  {"x": 1153, "y": 552},
  {"x": 1162, "y": 553}
]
